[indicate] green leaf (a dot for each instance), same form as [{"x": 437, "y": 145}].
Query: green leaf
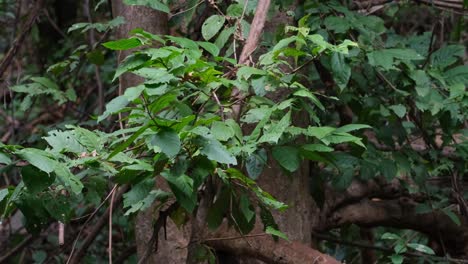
[
  {"x": 221, "y": 131},
  {"x": 212, "y": 25},
  {"x": 288, "y": 157},
  {"x": 131, "y": 62},
  {"x": 87, "y": 138},
  {"x": 421, "y": 248},
  {"x": 114, "y": 106},
  {"x": 4, "y": 159},
  {"x": 3, "y": 193},
  {"x": 64, "y": 141},
  {"x": 36, "y": 180},
  {"x": 58, "y": 206},
  {"x": 128, "y": 142},
  {"x": 245, "y": 72},
  {"x": 390, "y": 236},
  {"x": 319, "y": 132},
  {"x": 132, "y": 93},
  {"x": 275, "y": 232},
  {"x": 337, "y": 24},
  {"x": 388, "y": 169},
  {"x": 224, "y": 36},
  {"x": 399, "y": 110},
  {"x": 38, "y": 158},
  {"x": 168, "y": 141},
  {"x": 456, "y": 75},
  {"x": 182, "y": 186},
  {"x": 447, "y": 56},
  {"x": 70, "y": 180},
  {"x": 210, "y": 47},
  {"x": 397, "y": 259},
  {"x": 123, "y": 44},
  {"x": 214, "y": 150},
  {"x": 155, "y": 75},
  {"x": 273, "y": 134},
  {"x": 351, "y": 127},
  {"x": 154, "y": 4},
  {"x": 255, "y": 163},
  {"x": 452, "y": 216},
  {"x": 245, "y": 208},
  {"x": 218, "y": 210},
  {"x": 311, "y": 96},
  {"x": 317, "y": 148},
  {"x": 341, "y": 70}
]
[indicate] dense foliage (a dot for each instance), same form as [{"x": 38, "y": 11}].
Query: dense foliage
[{"x": 340, "y": 89}]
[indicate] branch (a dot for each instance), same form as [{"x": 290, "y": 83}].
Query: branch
[
  {"x": 14, "y": 250},
  {"x": 266, "y": 249},
  {"x": 19, "y": 40},
  {"x": 255, "y": 33},
  {"x": 251, "y": 44},
  {"x": 401, "y": 213},
  {"x": 96, "y": 228}
]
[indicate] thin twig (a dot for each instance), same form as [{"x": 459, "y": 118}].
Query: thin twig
[
  {"x": 19, "y": 40},
  {"x": 186, "y": 10},
  {"x": 87, "y": 221},
  {"x": 111, "y": 207},
  {"x": 13, "y": 251}
]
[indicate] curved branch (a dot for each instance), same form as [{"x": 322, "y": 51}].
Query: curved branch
[
  {"x": 266, "y": 249},
  {"x": 401, "y": 213},
  {"x": 19, "y": 40}
]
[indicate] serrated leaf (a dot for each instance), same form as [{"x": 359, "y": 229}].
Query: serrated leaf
[
  {"x": 64, "y": 141},
  {"x": 390, "y": 236},
  {"x": 212, "y": 25}
]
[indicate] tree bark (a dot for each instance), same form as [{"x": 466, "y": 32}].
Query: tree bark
[{"x": 155, "y": 22}]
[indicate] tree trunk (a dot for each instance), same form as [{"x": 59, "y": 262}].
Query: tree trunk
[
  {"x": 170, "y": 250},
  {"x": 296, "y": 222}
]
